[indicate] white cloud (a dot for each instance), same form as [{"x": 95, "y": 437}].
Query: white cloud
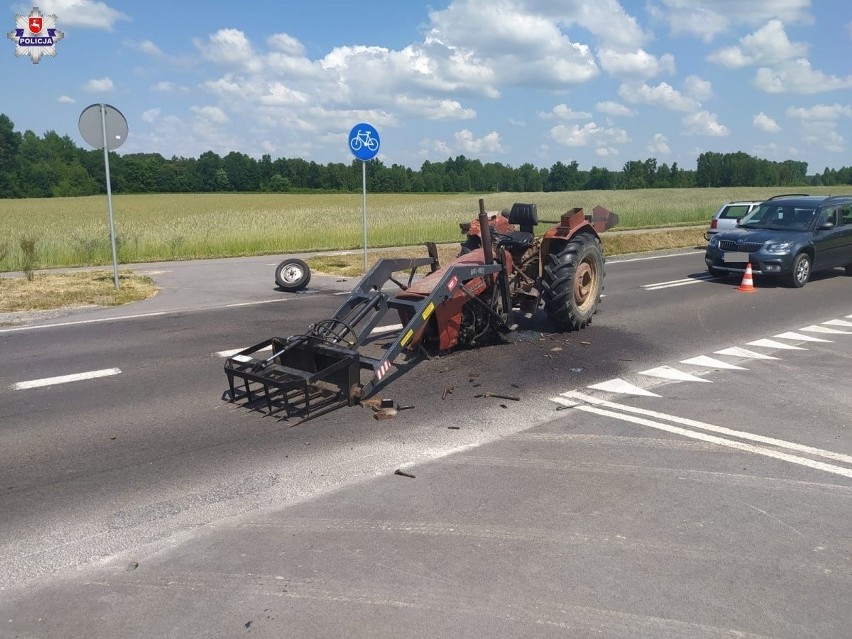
[
  {"x": 698, "y": 88},
  {"x": 231, "y": 48},
  {"x": 211, "y": 113},
  {"x": 81, "y": 13},
  {"x": 516, "y": 122},
  {"x": 432, "y": 109},
  {"x": 151, "y": 115},
  {"x": 635, "y": 64},
  {"x": 489, "y": 143},
  {"x": 704, "y": 123},
  {"x": 564, "y": 112},
  {"x": 767, "y": 46},
  {"x": 606, "y": 151},
  {"x": 163, "y": 87},
  {"x": 614, "y": 108},
  {"x": 765, "y": 123},
  {"x": 821, "y": 112},
  {"x": 707, "y": 19},
  {"x": 98, "y": 85},
  {"x": 659, "y": 144},
  {"x": 286, "y": 44},
  {"x": 589, "y": 134},
  {"x": 146, "y": 46},
  {"x": 797, "y": 76},
  {"x": 662, "y": 95},
  {"x": 65, "y": 99}
]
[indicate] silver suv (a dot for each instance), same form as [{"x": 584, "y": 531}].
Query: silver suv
[{"x": 727, "y": 216}]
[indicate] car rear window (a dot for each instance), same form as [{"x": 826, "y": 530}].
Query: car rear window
[{"x": 735, "y": 211}]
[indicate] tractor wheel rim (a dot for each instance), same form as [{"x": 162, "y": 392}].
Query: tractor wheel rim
[
  {"x": 292, "y": 274},
  {"x": 584, "y": 285}
]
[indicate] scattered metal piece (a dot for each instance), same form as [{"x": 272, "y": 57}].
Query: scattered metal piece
[
  {"x": 499, "y": 396},
  {"x": 133, "y": 565},
  {"x": 586, "y": 343},
  {"x": 503, "y": 406},
  {"x": 387, "y": 403},
  {"x": 403, "y": 473},
  {"x": 576, "y": 370},
  {"x": 447, "y": 391},
  {"x": 556, "y": 348},
  {"x": 454, "y": 427},
  {"x": 400, "y": 407},
  {"x": 514, "y": 385}
]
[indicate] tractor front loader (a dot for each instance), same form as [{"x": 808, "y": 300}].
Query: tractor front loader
[{"x": 502, "y": 269}]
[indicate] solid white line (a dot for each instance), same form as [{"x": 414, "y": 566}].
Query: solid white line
[
  {"x": 64, "y": 379},
  {"x": 288, "y": 299},
  {"x": 652, "y": 257},
  {"x": 779, "y": 443},
  {"x": 234, "y": 351},
  {"x": 749, "y": 448},
  {"x": 684, "y": 282},
  {"x": 89, "y": 321}
]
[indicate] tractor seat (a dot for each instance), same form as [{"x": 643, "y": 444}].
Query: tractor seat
[{"x": 519, "y": 240}]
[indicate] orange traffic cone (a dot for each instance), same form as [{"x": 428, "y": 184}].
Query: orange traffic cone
[{"x": 747, "y": 285}]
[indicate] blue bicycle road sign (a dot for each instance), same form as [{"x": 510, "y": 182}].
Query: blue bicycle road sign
[{"x": 364, "y": 141}]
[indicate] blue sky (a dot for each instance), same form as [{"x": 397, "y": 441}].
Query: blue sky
[{"x": 512, "y": 81}]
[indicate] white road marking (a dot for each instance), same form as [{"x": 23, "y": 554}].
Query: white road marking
[
  {"x": 287, "y": 299},
  {"x": 620, "y": 386},
  {"x": 744, "y": 353},
  {"x": 667, "y": 372},
  {"x": 802, "y": 338},
  {"x": 234, "y": 351},
  {"x": 75, "y": 323},
  {"x": 759, "y": 450},
  {"x": 711, "y": 362},
  {"x": 652, "y": 257},
  {"x": 64, "y": 379},
  {"x": 825, "y": 330},
  {"x": 689, "y": 280},
  {"x": 839, "y": 323},
  {"x": 771, "y": 343}
]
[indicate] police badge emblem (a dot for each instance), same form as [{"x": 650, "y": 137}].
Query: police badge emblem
[{"x": 35, "y": 35}]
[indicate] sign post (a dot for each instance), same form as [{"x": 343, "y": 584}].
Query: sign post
[
  {"x": 364, "y": 143},
  {"x": 104, "y": 127}
]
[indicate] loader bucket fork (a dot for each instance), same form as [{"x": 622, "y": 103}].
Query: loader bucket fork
[{"x": 307, "y": 375}]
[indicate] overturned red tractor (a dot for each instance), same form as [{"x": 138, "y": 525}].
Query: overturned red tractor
[{"x": 503, "y": 270}]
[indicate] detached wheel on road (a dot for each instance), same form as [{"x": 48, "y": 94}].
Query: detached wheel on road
[
  {"x": 292, "y": 274},
  {"x": 801, "y": 271},
  {"x": 572, "y": 282}
]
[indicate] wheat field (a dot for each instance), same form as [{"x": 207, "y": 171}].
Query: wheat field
[{"x": 158, "y": 227}]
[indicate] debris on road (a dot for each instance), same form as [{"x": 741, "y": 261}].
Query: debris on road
[
  {"x": 454, "y": 427},
  {"x": 447, "y": 391},
  {"x": 403, "y": 473},
  {"x": 133, "y": 565},
  {"x": 499, "y": 396},
  {"x": 385, "y": 413}
]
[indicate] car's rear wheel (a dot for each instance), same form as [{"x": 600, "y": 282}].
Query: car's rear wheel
[{"x": 801, "y": 271}]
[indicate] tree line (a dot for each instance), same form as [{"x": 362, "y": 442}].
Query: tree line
[{"x": 54, "y": 166}]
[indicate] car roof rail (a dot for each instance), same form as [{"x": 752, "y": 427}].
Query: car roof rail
[
  {"x": 832, "y": 198},
  {"x": 775, "y": 197}
]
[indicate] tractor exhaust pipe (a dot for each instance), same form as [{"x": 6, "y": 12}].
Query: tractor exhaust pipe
[{"x": 485, "y": 233}]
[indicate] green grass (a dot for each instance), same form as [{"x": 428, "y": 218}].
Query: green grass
[{"x": 75, "y": 231}]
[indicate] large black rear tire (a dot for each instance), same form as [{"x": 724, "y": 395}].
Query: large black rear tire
[{"x": 572, "y": 282}]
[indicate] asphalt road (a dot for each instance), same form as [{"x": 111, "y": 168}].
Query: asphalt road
[{"x": 707, "y": 498}]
